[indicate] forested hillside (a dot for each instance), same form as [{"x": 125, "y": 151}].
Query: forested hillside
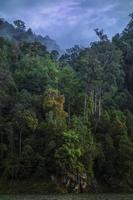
[
  {"x": 68, "y": 121},
  {"x": 18, "y": 31}
]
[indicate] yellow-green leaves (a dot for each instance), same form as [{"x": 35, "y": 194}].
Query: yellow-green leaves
[
  {"x": 53, "y": 103},
  {"x": 31, "y": 119}
]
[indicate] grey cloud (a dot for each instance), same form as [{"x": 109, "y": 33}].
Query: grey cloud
[{"x": 69, "y": 21}]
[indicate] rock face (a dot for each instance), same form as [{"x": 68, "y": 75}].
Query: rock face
[
  {"x": 75, "y": 183},
  {"x": 10, "y": 32}
]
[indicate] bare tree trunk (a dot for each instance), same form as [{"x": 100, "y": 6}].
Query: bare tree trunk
[
  {"x": 85, "y": 105},
  {"x": 69, "y": 112},
  {"x": 95, "y": 102},
  {"x": 99, "y": 103},
  {"x": 99, "y": 107},
  {"x": 92, "y": 101}
]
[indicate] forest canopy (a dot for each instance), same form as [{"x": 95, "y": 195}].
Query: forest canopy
[{"x": 68, "y": 118}]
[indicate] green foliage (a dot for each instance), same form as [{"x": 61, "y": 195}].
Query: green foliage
[
  {"x": 69, "y": 154},
  {"x": 71, "y": 115}
]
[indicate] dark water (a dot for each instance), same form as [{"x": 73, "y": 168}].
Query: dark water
[{"x": 68, "y": 197}]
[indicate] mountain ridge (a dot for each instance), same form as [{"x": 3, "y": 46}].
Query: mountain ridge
[{"x": 18, "y": 32}]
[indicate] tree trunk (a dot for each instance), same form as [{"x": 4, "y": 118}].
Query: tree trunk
[
  {"x": 99, "y": 107},
  {"x": 11, "y": 142},
  {"x": 85, "y": 104},
  {"x": 95, "y": 102},
  {"x": 99, "y": 104},
  {"x": 1, "y": 146},
  {"x": 20, "y": 141},
  {"x": 69, "y": 112}
]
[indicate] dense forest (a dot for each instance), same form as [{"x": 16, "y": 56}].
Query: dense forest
[{"x": 67, "y": 120}]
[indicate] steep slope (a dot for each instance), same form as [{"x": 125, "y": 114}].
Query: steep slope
[{"x": 18, "y": 34}]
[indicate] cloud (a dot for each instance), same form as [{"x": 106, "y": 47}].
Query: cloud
[{"x": 69, "y": 21}]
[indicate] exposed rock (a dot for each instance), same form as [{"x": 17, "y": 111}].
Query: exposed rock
[{"x": 75, "y": 183}]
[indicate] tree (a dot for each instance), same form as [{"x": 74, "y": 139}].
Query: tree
[
  {"x": 24, "y": 119},
  {"x": 101, "y": 74},
  {"x": 20, "y": 25},
  {"x": 54, "y": 55},
  {"x": 69, "y": 85},
  {"x": 54, "y": 105},
  {"x": 101, "y": 35}
]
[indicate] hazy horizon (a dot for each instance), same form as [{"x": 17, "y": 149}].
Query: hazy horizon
[{"x": 69, "y": 22}]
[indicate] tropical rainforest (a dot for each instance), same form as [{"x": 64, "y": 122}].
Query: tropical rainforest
[{"x": 66, "y": 120}]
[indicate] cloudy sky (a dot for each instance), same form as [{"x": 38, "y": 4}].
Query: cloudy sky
[{"x": 69, "y": 22}]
